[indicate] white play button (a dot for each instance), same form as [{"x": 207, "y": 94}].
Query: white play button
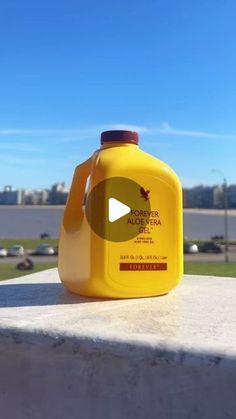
[{"x": 116, "y": 210}]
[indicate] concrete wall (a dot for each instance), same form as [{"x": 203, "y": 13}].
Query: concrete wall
[{"x": 63, "y": 356}]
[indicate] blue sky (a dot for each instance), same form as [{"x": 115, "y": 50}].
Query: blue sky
[{"x": 70, "y": 69}]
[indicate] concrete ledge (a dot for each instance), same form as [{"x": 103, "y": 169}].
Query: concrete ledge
[{"x": 64, "y": 356}]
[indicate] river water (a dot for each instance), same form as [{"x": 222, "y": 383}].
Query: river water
[{"x": 20, "y": 222}]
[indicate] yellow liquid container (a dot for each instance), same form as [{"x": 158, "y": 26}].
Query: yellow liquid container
[{"x": 121, "y": 233}]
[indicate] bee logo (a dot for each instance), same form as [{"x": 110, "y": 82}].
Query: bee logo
[{"x": 144, "y": 194}]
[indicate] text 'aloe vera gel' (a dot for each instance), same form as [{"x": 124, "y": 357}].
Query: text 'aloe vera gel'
[{"x": 121, "y": 234}]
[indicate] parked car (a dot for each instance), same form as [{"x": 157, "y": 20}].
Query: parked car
[
  {"x": 3, "y": 252},
  {"x": 217, "y": 238},
  {"x": 44, "y": 235},
  {"x": 44, "y": 250},
  {"x": 210, "y": 247},
  {"x": 190, "y": 248},
  {"x": 16, "y": 250}
]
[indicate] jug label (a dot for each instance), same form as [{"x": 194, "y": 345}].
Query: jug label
[
  {"x": 146, "y": 220},
  {"x": 143, "y": 266},
  {"x": 142, "y": 262}
]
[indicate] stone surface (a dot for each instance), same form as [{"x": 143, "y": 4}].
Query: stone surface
[{"x": 62, "y": 355}]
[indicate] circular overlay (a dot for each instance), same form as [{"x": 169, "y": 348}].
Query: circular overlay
[{"x": 118, "y": 209}]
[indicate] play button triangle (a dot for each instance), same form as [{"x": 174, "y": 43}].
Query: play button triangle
[
  {"x": 111, "y": 206},
  {"x": 116, "y": 209}
]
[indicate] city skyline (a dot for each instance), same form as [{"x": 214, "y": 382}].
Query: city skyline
[
  {"x": 200, "y": 196},
  {"x": 67, "y": 186},
  {"x": 70, "y": 70},
  {"x": 55, "y": 195}
]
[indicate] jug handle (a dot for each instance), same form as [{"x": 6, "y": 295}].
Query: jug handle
[{"x": 74, "y": 213}]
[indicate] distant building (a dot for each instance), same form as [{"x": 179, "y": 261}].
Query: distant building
[
  {"x": 10, "y": 196},
  {"x": 231, "y": 195},
  {"x": 218, "y": 197},
  {"x": 58, "y": 194},
  {"x": 35, "y": 197},
  {"x": 198, "y": 197}
]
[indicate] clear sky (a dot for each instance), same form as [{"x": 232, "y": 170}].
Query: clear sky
[{"x": 72, "y": 68}]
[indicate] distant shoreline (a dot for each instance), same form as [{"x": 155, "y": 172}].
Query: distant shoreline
[
  {"x": 32, "y": 206},
  {"x": 207, "y": 211},
  {"x": 213, "y": 211}
]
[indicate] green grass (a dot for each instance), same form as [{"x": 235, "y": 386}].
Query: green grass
[
  {"x": 8, "y": 270},
  {"x": 27, "y": 243},
  {"x": 230, "y": 242},
  {"x": 210, "y": 268}
]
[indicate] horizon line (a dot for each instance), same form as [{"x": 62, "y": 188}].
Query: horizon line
[
  {"x": 34, "y": 189},
  {"x": 165, "y": 128}
]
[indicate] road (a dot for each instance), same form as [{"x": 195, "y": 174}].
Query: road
[
  {"x": 199, "y": 257},
  {"x": 212, "y": 257},
  {"x": 36, "y": 259}
]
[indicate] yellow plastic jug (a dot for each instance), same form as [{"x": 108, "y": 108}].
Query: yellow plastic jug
[{"x": 121, "y": 234}]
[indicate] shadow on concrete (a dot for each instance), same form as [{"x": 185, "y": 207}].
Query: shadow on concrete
[{"x": 41, "y": 294}]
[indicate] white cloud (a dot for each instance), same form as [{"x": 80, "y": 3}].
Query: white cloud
[
  {"x": 44, "y": 132},
  {"x": 74, "y": 134},
  {"x": 87, "y": 131},
  {"x": 167, "y": 129}
]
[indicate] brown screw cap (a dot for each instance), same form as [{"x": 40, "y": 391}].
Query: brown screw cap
[{"x": 119, "y": 136}]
